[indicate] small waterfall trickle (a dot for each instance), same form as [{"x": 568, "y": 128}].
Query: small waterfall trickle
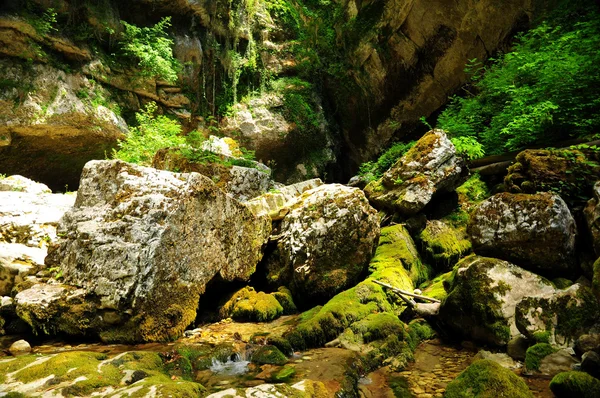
[{"x": 235, "y": 365}]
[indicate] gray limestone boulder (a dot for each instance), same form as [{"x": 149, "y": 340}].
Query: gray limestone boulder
[
  {"x": 139, "y": 247},
  {"x": 430, "y": 167},
  {"x": 483, "y": 295},
  {"x": 537, "y": 232},
  {"x": 325, "y": 243}
]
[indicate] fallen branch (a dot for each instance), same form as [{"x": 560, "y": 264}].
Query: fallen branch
[{"x": 403, "y": 292}]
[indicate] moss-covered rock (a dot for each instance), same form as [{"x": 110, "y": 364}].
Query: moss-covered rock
[
  {"x": 80, "y": 373},
  {"x": 397, "y": 250},
  {"x": 436, "y": 288},
  {"x": 248, "y": 305},
  {"x": 575, "y": 384},
  {"x": 569, "y": 172},
  {"x": 564, "y": 315},
  {"x": 520, "y": 228},
  {"x": 443, "y": 245},
  {"x": 284, "y": 297},
  {"x": 483, "y": 294},
  {"x": 487, "y": 379},
  {"x": 378, "y": 326},
  {"x": 325, "y": 244},
  {"x": 268, "y": 354},
  {"x": 284, "y": 374},
  {"x": 431, "y": 166},
  {"x": 536, "y": 353},
  {"x": 592, "y": 217}
]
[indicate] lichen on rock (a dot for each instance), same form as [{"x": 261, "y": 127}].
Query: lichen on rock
[{"x": 142, "y": 244}]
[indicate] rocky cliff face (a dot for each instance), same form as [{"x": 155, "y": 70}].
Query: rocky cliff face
[{"x": 411, "y": 58}]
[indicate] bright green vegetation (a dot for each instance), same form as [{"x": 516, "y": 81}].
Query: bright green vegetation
[
  {"x": 152, "y": 48},
  {"x": 443, "y": 245},
  {"x": 487, "y": 379},
  {"x": 285, "y": 374},
  {"x": 249, "y": 305},
  {"x": 575, "y": 384},
  {"x": 96, "y": 372},
  {"x": 473, "y": 190},
  {"x": 284, "y": 296},
  {"x": 152, "y": 133},
  {"x": 372, "y": 171},
  {"x": 378, "y": 326},
  {"x": 536, "y": 353},
  {"x": 435, "y": 288},
  {"x": 545, "y": 90},
  {"x": 268, "y": 354}
]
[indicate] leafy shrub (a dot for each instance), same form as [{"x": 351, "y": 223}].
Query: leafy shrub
[
  {"x": 152, "y": 48},
  {"x": 374, "y": 170},
  {"x": 152, "y": 133},
  {"x": 546, "y": 89}
]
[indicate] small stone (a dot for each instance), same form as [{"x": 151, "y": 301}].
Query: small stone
[{"x": 19, "y": 347}]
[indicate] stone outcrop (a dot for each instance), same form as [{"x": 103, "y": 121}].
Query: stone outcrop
[
  {"x": 407, "y": 57},
  {"x": 325, "y": 243},
  {"x": 483, "y": 295},
  {"x": 276, "y": 204},
  {"x": 431, "y": 166},
  {"x": 592, "y": 217},
  {"x": 48, "y": 130},
  {"x": 443, "y": 245},
  {"x": 139, "y": 247},
  {"x": 536, "y": 232}
]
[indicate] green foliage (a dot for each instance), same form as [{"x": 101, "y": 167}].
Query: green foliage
[
  {"x": 374, "y": 170},
  {"x": 45, "y": 24},
  {"x": 468, "y": 147},
  {"x": 152, "y": 133},
  {"x": 152, "y": 48},
  {"x": 546, "y": 89}
]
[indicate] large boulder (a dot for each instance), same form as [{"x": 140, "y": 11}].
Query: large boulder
[
  {"x": 483, "y": 295},
  {"x": 568, "y": 172},
  {"x": 534, "y": 231},
  {"x": 562, "y": 317},
  {"x": 431, "y": 166},
  {"x": 486, "y": 378},
  {"x": 325, "y": 243},
  {"x": 592, "y": 217},
  {"x": 443, "y": 245},
  {"x": 139, "y": 247}
]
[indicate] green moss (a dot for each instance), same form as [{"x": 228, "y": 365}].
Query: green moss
[
  {"x": 268, "y": 354},
  {"x": 284, "y": 297},
  {"x": 536, "y": 353},
  {"x": 487, "y": 379},
  {"x": 249, "y": 305},
  {"x": 444, "y": 245},
  {"x": 474, "y": 303},
  {"x": 542, "y": 337},
  {"x": 575, "y": 384},
  {"x": 419, "y": 330},
  {"x": 396, "y": 250},
  {"x": 11, "y": 365},
  {"x": 377, "y": 326},
  {"x": 285, "y": 374},
  {"x": 562, "y": 283},
  {"x": 281, "y": 343},
  {"x": 436, "y": 288},
  {"x": 400, "y": 387},
  {"x": 473, "y": 190}
]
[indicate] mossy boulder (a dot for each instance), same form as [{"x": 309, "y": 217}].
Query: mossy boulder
[
  {"x": 443, "y": 245},
  {"x": 80, "y": 373},
  {"x": 487, "y": 379},
  {"x": 325, "y": 243},
  {"x": 536, "y": 353},
  {"x": 436, "y": 288},
  {"x": 483, "y": 295},
  {"x": 284, "y": 297},
  {"x": 139, "y": 246},
  {"x": 430, "y": 167},
  {"x": 564, "y": 315},
  {"x": 268, "y": 354},
  {"x": 397, "y": 249},
  {"x": 249, "y": 305},
  {"x": 575, "y": 384},
  {"x": 592, "y": 217},
  {"x": 569, "y": 172},
  {"x": 378, "y": 326},
  {"x": 520, "y": 228}
]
